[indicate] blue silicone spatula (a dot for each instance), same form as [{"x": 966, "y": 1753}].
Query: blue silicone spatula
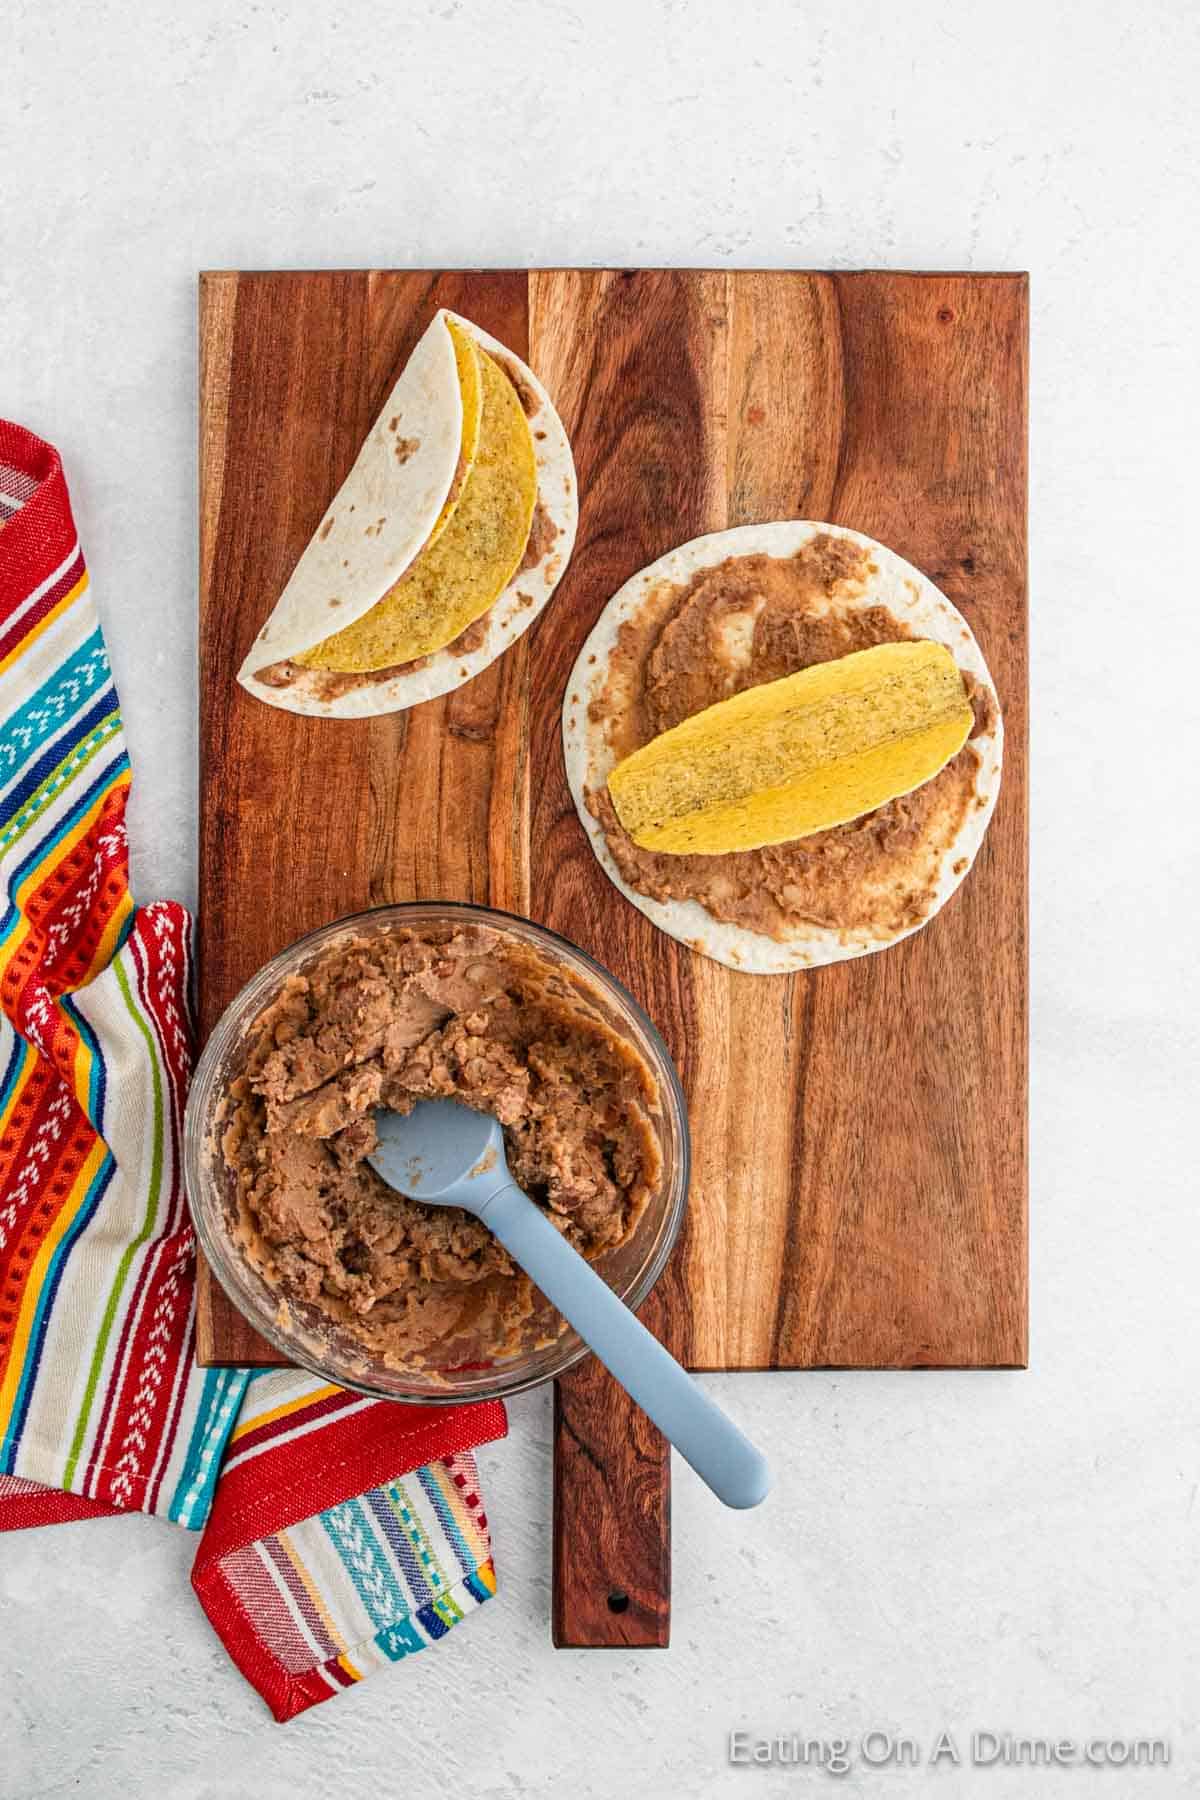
[{"x": 446, "y": 1154}]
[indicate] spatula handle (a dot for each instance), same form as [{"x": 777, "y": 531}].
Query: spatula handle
[{"x": 721, "y": 1456}]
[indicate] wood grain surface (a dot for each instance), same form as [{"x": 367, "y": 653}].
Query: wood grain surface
[{"x": 859, "y": 1132}]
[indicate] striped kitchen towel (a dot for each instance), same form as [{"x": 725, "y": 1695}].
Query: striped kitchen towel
[{"x": 339, "y": 1533}]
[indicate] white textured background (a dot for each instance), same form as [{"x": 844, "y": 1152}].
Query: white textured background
[{"x": 1010, "y": 1551}]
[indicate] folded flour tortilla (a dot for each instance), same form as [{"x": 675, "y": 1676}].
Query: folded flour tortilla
[
  {"x": 877, "y": 591},
  {"x": 443, "y": 544}
]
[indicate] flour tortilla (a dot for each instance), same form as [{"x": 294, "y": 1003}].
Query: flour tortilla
[
  {"x": 906, "y": 593},
  {"x": 407, "y": 496}
]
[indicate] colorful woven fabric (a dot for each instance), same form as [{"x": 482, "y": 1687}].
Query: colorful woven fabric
[
  {"x": 360, "y": 1585},
  {"x": 317, "y": 1564}
]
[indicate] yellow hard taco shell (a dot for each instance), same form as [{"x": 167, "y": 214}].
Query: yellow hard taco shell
[
  {"x": 796, "y": 756},
  {"x": 460, "y": 511},
  {"x": 476, "y": 547}
]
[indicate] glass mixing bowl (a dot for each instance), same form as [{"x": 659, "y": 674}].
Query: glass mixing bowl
[{"x": 299, "y": 1331}]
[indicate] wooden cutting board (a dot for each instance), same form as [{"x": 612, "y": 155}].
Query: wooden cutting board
[{"x": 859, "y": 1132}]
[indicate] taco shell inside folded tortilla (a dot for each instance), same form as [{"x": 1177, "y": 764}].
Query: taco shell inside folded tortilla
[{"x": 441, "y": 547}]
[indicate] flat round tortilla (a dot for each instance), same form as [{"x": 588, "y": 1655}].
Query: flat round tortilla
[
  {"x": 892, "y": 583},
  {"x": 354, "y": 695}
]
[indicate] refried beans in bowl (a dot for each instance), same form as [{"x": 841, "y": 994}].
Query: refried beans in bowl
[{"x": 350, "y": 1279}]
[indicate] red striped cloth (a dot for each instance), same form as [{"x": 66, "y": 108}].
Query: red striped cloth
[{"x": 339, "y": 1534}]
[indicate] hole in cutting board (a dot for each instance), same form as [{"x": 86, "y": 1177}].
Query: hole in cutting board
[{"x": 618, "y": 1601}]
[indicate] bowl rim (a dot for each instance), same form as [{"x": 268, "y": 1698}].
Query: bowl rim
[{"x": 213, "y": 1242}]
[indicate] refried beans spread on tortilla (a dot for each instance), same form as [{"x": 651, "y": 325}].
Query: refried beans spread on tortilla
[
  {"x": 385, "y": 1021},
  {"x": 750, "y": 620}
]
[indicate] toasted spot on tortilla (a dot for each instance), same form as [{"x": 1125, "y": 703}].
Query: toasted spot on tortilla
[
  {"x": 461, "y": 572},
  {"x": 406, "y": 447},
  {"x": 327, "y": 527}
]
